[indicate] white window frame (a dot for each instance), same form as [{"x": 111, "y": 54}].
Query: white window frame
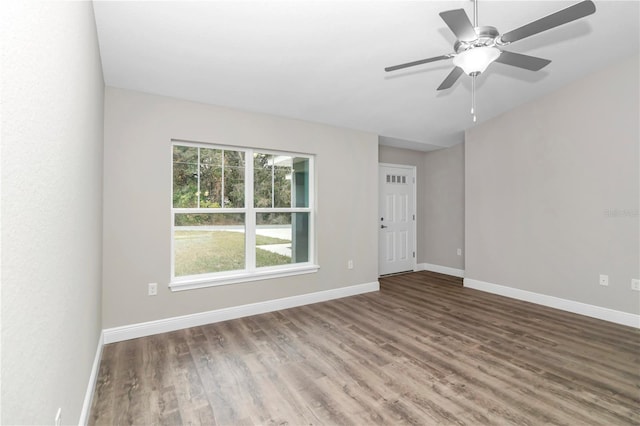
[{"x": 251, "y": 272}]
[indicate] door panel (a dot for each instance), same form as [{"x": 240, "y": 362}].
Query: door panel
[
  {"x": 397, "y": 219},
  {"x": 389, "y": 211},
  {"x": 390, "y": 246},
  {"x": 403, "y": 248}
]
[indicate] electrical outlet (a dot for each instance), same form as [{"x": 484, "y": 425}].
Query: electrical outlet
[
  {"x": 350, "y": 264},
  {"x": 604, "y": 280},
  {"x": 459, "y": 252},
  {"x": 58, "y": 420},
  {"x": 153, "y": 289},
  {"x": 635, "y": 284}
]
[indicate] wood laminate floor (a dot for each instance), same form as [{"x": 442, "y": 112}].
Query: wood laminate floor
[{"x": 423, "y": 350}]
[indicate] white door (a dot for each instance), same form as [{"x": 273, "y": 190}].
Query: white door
[{"x": 396, "y": 219}]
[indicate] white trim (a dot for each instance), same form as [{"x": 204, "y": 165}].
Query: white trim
[
  {"x": 606, "y": 314},
  {"x": 88, "y": 396},
  {"x": 440, "y": 269},
  {"x": 134, "y": 331},
  {"x": 194, "y": 281},
  {"x": 400, "y": 166}
]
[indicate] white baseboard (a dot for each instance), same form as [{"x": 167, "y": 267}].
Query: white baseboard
[
  {"x": 134, "y": 331},
  {"x": 440, "y": 269},
  {"x": 606, "y": 314},
  {"x": 88, "y": 396}
]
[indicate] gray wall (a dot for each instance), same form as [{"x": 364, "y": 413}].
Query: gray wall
[
  {"x": 444, "y": 206},
  {"x": 52, "y": 129},
  {"x": 440, "y": 201},
  {"x": 137, "y": 238},
  {"x": 552, "y": 193}
]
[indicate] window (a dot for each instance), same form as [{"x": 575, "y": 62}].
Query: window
[{"x": 239, "y": 214}]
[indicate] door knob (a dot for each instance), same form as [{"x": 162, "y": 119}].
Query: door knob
[{"x": 382, "y": 226}]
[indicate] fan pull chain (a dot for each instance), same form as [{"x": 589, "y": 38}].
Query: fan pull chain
[{"x": 473, "y": 98}]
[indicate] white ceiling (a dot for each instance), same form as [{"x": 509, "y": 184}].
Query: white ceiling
[{"x": 323, "y": 61}]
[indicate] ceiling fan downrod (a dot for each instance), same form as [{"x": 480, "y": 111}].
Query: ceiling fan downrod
[
  {"x": 475, "y": 13},
  {"x": 473, "y": 78}
]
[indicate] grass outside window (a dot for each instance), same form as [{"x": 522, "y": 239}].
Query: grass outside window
[{"x": 200, "y": 252}]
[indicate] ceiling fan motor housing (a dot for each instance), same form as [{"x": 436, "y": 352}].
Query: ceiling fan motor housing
[{"x": 486, "y": 38}]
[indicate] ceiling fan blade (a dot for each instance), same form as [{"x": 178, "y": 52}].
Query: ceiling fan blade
[
  {"x": 571, "y": 13},
  {"x": 522, "y": 61},
  {"x": 451, "y": 78},
  {"x": 414, "y": 63},
  {"x": 458, "y": 21}
]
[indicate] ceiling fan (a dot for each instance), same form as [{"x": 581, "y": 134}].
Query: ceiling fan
[{"x": 477, "y": 47}]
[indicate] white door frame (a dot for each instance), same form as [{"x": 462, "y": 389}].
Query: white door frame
[{"x": 415, "y": 208}]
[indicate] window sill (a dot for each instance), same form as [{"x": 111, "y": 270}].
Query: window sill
[{"x": 190, "y": 283}]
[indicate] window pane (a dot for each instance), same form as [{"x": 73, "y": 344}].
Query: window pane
[
  {"x": 206, "y": 243},
  {"x": 234, "y": 169},
  {"x": 185, "y": 176},
  {"x": 300, "y": 182},
  {"x": 282, "y": 238},
  {"x": 263, "y": 180},
  {"x": 210, "y": 178},
  {"x": 282, "y": 181}
]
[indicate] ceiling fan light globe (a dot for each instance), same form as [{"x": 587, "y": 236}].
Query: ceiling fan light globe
[{"x": 475, "y": 60}]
